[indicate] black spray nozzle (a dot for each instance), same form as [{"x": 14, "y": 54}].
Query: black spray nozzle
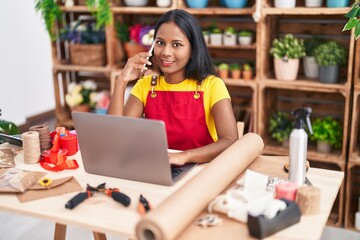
[{"x": 301, "y": 115}]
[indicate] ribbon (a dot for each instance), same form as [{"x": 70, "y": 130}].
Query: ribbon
[{"x": 55, "y": 158}]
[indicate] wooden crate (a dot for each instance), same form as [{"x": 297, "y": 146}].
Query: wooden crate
[
  {"x": 357, "y": 66},
  {"x": 299, "y": 3},
  {"x": 354, "y": 145},
  {"x": 328, "y": 27},
  {"x": 352, "y": 194},
  {"x": 274, "y": 98}
]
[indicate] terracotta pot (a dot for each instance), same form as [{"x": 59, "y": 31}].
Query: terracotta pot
[
  {"x": 323, "y": 147},
  {"x": 223, "y": 73},
  {"x": 132, "y": 49},
  {"x": 81, "y": 108},
  {"x": 235, "y": 74},
  {"x": 247, "y": 75}
]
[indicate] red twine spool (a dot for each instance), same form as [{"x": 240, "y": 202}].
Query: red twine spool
[
  {"x": 286, "y": 190},
  {"x": 69, "y": 142}
]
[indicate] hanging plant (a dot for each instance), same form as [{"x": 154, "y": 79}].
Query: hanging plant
[
  {"x": 51, "y": 13},
  {"x": 101, "y": 10}
]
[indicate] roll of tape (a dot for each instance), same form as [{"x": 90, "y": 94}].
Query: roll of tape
[{"x": 308, "y": 199}]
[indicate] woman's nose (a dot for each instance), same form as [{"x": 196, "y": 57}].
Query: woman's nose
[{"x": 166, "y": 50}]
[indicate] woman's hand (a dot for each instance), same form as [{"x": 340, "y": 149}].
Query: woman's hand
[
  {"x": 178, "y": 158},
  {"x": 134, "y": 68}
]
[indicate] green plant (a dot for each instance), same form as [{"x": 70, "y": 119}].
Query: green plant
[
  {"x": 287, "y": 47},
  {"x": 8, "y": 127},
  {"x": 101, "y": 10},
  {"x": 234, "y": 66},
  {"x": 353, "y": 16},
  {"x": 330, "y": 54},
  {"x": 230, "y": 30},
  {"x": 280, "y": 126},
  {"x": 247, "y": 67},
  {"x": 311, "y": 44},
  {"x": 51, "y": 13},
  {"x": 245, "y": 33},
  {"x": 216, "y": 30},
  {"x": 122, "y": 32},
  {"x": 223, "y": 66},
  {"x": 328, "y": 130}
]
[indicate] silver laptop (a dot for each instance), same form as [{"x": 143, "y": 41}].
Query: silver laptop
[{"x": 125, "y": 147}]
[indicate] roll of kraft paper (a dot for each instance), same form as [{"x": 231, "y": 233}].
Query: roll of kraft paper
[{"x": 176, "y": 212}]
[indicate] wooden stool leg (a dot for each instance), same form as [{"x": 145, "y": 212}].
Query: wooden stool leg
[
  {"x": 60, "y": 231},
  {"x": 99, "y": 236}
]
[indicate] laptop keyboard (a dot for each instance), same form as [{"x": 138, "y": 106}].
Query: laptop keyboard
[{"x": 175, "y": 172}]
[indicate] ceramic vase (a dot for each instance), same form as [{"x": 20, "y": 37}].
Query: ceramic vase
[
  {"x": 313, "y": 3},
  {"x": 311, "y": 68},
  {"x": 286, "y": 70},
  {"x": 337, "y": 3},
  {"x": 163, "y": 3},
  {"x": 285, "y": 3},
  {"x": 197, "y": 3}
]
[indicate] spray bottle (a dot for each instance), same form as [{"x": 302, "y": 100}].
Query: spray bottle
[{"x": 298, "y": 146}]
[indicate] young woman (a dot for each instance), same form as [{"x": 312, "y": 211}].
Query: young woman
[{"x": 184, "y": 93}]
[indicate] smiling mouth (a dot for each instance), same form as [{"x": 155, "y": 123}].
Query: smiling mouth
[{"x": 167, "y": 63}]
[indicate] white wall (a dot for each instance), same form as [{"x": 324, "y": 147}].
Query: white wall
[{"x": 26, "y": 83}]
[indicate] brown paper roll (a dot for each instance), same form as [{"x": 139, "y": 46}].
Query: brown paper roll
[{"x": 176, "y": 212}]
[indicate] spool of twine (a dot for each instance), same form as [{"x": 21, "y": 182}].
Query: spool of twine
[
  {"x": 44, "y": 136},
  {"x": 31, "y": 147}
]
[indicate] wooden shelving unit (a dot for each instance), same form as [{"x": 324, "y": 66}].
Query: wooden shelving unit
[
  {"x": 252, "y": 100},
  {"x": 353, "y": 167}
]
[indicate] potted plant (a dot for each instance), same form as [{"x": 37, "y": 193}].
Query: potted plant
[
  {"x": 223, "y": 70},
  {"x": 235, "y": 4},
  {"x": 286, "y": 52},
  {"x": 136, "y": 3},
  {"x": 51, "y": 12},
  {"x": 133, "y": 36},
  {"x": 353, "y": 22},
  {"x": 311, "y": 68},
  {"x": 206, "y": 34},
  {"x": 86, "y": 43},
  {"x": 330, "y": 56},
  {"x": 285, "y": 3},
  {"x": 337, "y": 3},
  {"x": 197, "y": 3},
  {"x": 245, "y": 37},
  {"x": 247, "y": 71},
  {"x": 280, "y": 126},
  {"x": 229, "y": 36},
  {"x": 216, "y": 36},
  {"x": 328, "y": 133},
  {"x": 81, "y": 96},
  {"x": 235, "y": 70},
  {"x": 313, "y": 3}
]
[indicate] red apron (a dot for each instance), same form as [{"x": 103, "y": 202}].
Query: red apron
[{"x": 184, "y": 117}]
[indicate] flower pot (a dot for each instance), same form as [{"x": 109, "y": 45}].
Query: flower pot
[
  {"x": 286, "y": 70},
  {"x": 245, "y": 40},
  {"x": 337, "y": 3},
  {"x": 223, "y": 73},
  {"x": 285, "y": 3},
  {"x": 136, "y": 3},
  {"x": 323, "y": 147},
  {"x": 229, "y": 39},
  {"x": 80, "y": 108},
  {"x": 163, "y": 3},
  {"x": 197, "y": 3},
  {"x": 329, "y": 74},
  {"x": 235, "y": 74},
  {"x": 247, "y": 75},
  {"x": 313, "y": 3},
  {"x": 311, "y": 68},
  {"x": 235, "y": 3},
  {"x": 87, "y": 54},
  {"x": 216, "y": 39},
  {"x": 132, "y": 49},
  {"x": 206, "y": 38}
]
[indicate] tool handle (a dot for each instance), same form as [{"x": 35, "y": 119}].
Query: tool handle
[
  {"x": 121, "y": 198},
  {"x": 77, "y": 199}
]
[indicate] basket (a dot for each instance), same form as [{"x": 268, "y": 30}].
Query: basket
[{"x": 87, "y": 54}]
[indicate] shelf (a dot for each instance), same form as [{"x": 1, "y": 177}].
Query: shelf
[
  {"x": 137, "y": 10},
  {"x": 305, "y": 84},
  {"x": 235, "y": 47},
  {"x": 240, "y": 82},
  {"x": 74, "y": 68},
  {"x": 220, "y": 11},
  {"x": 305, "y": 11}
]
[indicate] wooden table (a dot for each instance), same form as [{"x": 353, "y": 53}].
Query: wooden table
[{"x": 101, "y": 214}]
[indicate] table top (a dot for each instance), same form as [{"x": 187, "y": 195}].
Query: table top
[{"x": 102, "y": 214}]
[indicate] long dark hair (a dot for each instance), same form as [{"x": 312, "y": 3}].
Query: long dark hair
[{"x": 200, "y": 64}]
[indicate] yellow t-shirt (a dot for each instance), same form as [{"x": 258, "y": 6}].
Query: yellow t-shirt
[{"x": 213, "y": 89}]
